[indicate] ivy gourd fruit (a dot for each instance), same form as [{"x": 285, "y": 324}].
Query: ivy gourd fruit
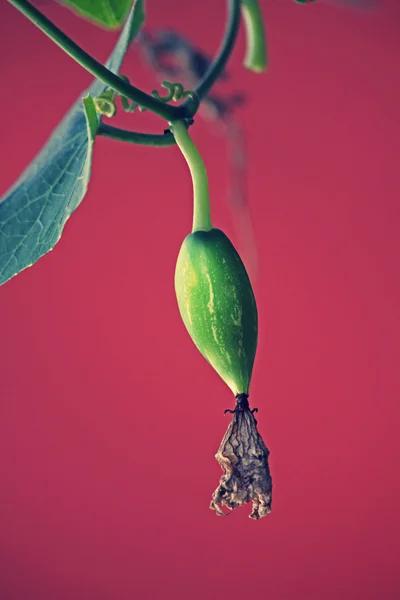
[{"x": 217, "y": 305}]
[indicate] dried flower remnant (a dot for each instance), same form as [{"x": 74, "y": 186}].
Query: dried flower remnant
[{"x": 244, "y": 458}]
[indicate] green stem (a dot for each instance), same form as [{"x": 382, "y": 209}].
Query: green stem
[
  {"x": 219, "y": 64},
  {"x": 201, "y": 197},
  {"x": 145, "y": 139},
  {"x": 256, "y": 52},
  {"x": 166, "y": 111}
]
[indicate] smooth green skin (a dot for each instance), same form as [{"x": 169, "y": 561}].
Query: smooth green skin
[{"x": 217, "y": 305}]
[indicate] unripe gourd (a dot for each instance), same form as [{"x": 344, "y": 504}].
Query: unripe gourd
[{"x": 217, "y": 305}]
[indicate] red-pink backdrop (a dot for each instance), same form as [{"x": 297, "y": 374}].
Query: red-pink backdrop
[{"x": 109, "y": 417}]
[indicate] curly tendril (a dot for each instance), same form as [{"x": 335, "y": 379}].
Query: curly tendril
[
  {"x": 129, "y": 108},
  {"x": 105, "y": 102},
  {"x": 176, "y": 92}
]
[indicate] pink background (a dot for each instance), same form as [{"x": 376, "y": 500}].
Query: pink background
[{"x": 109, "y": 417}]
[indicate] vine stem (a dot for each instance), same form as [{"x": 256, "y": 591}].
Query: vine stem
[
  {"x": 201, "y": 196},
  {"x": 145, "y": 139},
  {"x": 219, "y": 63},
  {"x": 256, "y": 52},
  {"x": 101, "y": 72}
]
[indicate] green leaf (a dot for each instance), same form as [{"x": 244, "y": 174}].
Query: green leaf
[
  {"x": 108, "y": 13},
  {"x": 34, "y": 211}
]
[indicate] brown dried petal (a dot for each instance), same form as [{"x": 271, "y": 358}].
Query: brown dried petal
[{"x": 244, "y": 458}]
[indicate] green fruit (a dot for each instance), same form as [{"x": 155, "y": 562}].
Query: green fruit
[{"x": 217, "y": 305}]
